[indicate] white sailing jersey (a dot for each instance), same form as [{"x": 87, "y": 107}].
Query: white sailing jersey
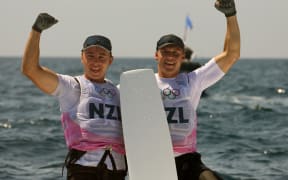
[
  {"x": 181, "y": 96},
  {"x": 91, "y": 118}
]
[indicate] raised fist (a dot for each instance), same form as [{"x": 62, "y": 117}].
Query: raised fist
[
  {"x": 226, "y": 6},
  {"x": 44, "y": 21}
]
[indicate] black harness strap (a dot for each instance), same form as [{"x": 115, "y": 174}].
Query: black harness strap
[
  {"x": 104, "y": 157},
  {"x": 72, "y": 156}
]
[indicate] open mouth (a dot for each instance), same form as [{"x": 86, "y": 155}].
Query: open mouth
[
  {"x": 169, "y": 64},
  {"x": 95, "y": 69}
]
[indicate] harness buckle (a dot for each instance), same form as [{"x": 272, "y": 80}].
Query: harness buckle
[{"x": 109, "y": 147}]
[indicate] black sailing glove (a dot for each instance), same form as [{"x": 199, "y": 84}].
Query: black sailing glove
[
  {"x": 44, "y": 21},
  {"x": 226, "y": 6}
]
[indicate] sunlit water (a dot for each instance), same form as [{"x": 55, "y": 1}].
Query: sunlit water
[{"x": 243, "y": 122}]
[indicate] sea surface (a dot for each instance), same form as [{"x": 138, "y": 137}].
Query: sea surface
[{"x": 243, "y": 121}]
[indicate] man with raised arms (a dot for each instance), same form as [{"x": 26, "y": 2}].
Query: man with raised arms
[
  {"x": 181, "y": 92},
  {"x": 89, "y": 103}
]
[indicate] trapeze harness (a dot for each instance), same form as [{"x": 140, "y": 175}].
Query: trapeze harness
[{"x": 97, "y": 124}]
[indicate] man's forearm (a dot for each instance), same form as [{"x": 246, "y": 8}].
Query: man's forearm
[
  {"x": 30, "y": 61},
  {"x": 233, "y": 40}
]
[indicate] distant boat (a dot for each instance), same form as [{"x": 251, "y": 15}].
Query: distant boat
[{"x": 189, "y": 65}]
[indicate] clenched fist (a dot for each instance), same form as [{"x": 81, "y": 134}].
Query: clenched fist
[
  {"x": 226, "y": 6},
  {"x": 44, "y": 21}
]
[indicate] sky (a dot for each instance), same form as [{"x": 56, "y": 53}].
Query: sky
[{"x": 134, "y": 26}]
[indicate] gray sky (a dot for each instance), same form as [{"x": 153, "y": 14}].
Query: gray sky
[{"x": 134, "y": 26}]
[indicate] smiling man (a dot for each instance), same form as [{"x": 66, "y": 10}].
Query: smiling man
[
  {"x": 181, "y": 92},
  {"x": 89, "y": 104}
]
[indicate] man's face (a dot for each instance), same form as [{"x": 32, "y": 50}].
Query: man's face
[
  {"x": 169, "y": 60},
  {"x": 96, "y": 62}
]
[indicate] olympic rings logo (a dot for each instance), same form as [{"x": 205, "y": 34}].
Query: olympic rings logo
[
  {"x": 170, "y": 93},
  {"x": 110, "y": 93}
]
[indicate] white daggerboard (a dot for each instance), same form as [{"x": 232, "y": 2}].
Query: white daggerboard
[{"x": 146, "y": 134}]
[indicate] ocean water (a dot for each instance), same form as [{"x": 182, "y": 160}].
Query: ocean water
[{"x": 243, "y": 122}]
